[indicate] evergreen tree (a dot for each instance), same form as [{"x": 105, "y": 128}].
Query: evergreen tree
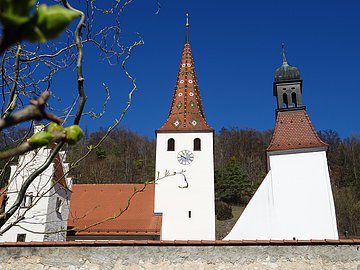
[{"x": 232, "y": 185}]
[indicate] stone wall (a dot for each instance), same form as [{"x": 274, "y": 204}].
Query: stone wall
[{"x": 105, "y": 257}]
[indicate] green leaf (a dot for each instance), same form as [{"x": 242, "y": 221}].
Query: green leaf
[
  {"x": 40, "y": 139},
  {"x": 15, "y": 13},
  {"x": 73, "y": 134},
  {"x": 52, "y": 20},
  {"x": 53, "y": 127},
  {"x": 22, "y": 7}
]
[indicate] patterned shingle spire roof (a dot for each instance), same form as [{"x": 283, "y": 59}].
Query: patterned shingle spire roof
[{"x": 186, "y": 112}]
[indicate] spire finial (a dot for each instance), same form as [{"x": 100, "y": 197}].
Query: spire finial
[
  {"x": 283, "y": 53},
  {"x": 187, "y": 28}
]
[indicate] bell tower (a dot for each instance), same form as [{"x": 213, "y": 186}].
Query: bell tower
[
  {"x": 185, "y": 143},
  {"x": 287, "y": 85},
  {"x": 295, "y": 200}
]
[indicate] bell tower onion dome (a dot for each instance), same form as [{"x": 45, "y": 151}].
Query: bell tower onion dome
[{"x": 286, "y": 72}]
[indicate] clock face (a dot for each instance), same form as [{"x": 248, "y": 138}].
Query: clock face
[{"x": 185, "y": 157}]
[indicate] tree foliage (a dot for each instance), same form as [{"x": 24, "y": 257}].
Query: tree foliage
[
  {"x": 124, "y": 157},
  {"x": 223, "y": 211},
  {"x": 344, "y": 165},
  {"x": 232, "y": 184}
]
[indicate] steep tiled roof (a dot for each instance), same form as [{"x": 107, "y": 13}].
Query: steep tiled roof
[
  {"x": 293, "y": 130},
  {"x": 186, "y": 112},
  {"x": 91, "y": 203}
]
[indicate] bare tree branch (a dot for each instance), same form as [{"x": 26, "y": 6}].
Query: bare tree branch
[
  {"x": 34, "y": 111},
  {"x": 80, "y": 76},
  {"x": 27, "y": 183}
]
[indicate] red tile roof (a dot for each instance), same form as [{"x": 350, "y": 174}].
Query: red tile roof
[
  {"x": 293, "y": 130},
  {"x": 2, "y": 194},
  {"x": 91, "y": 203},
  {"x": 59, "y": 172},
  {"x": 186, "y": 112},
  {"x": 190, "y": 243}
]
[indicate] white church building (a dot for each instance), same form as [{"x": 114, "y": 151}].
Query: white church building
[
  {"x": 295, "y": 199},
  {"x": 43, "y": 213}
]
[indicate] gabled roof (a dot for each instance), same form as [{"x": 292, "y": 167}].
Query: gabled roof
[
  {"x": 91, "y": 203},
  {"x": 186, "y": 112},
  {"x": 293, "y": 130}
]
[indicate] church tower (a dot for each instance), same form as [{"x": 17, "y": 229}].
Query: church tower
[
  {"x": 185, "y": 143},
  {"x": 43, "y": 213},
  {"x": 295, "y": 199},
  {"x": 287, "y": 85}
]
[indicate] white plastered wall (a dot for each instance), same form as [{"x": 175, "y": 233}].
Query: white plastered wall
[
  {"x": 294, "y": 201},
  {"x": 175, "y": 202},
  {"x": 36, "y": 220},
  {"x": 36, "y": 216}
]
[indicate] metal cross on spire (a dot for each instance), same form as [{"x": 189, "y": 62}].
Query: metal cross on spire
[
  {"x": 283, "y": 53},
  {"x": 187, "y": 28}
]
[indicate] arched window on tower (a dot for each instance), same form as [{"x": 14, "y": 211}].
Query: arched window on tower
[
  {"x": 171, "y": 145},
  {"x": 285, "y": 101},
  {"x": 293, "y": 99},
  {"x": 197, "y": 144}
]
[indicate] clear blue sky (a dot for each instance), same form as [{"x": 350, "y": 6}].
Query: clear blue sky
[{"x": 236, "y": 47}]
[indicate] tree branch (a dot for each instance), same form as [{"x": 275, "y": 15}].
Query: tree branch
[
  {"x": 80, "y": 76},
  {"x": 27, "y": 183},
  {"x": 34, "y": 111},
  {"x": 13, "y": 96}
]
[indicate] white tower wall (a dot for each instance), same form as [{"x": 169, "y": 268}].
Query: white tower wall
[
  {"x": 294, "y": 201},
  {"x": 175, "y": 202}
]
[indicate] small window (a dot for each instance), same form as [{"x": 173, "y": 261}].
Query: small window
[
  {"x": 58, "y": 205},
  {"x": 189, "y": 214},
  {"x": 27, "y": 201},
  {"x": 23, "y": 202},
  {"x": 197, "y": 144},
  {"x": 285, "y": 101},
  {"x": 21, "y": 237},
  {"x": 171, "y": 145},
  {"x": 293, "y": 99}
]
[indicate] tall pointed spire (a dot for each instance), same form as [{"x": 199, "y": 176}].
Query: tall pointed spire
[
  {"x": 286, "y": 72},
  {"x": 186, "y": 112},
  {"x": 187, "y": 28},
  {"x": 283, "y": 54}
]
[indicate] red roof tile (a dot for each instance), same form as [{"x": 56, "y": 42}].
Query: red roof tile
[
  {"x": 186, "y": 112},
  {"x": 91, "y": 203},
  {"x": 293, "y": 130}
]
